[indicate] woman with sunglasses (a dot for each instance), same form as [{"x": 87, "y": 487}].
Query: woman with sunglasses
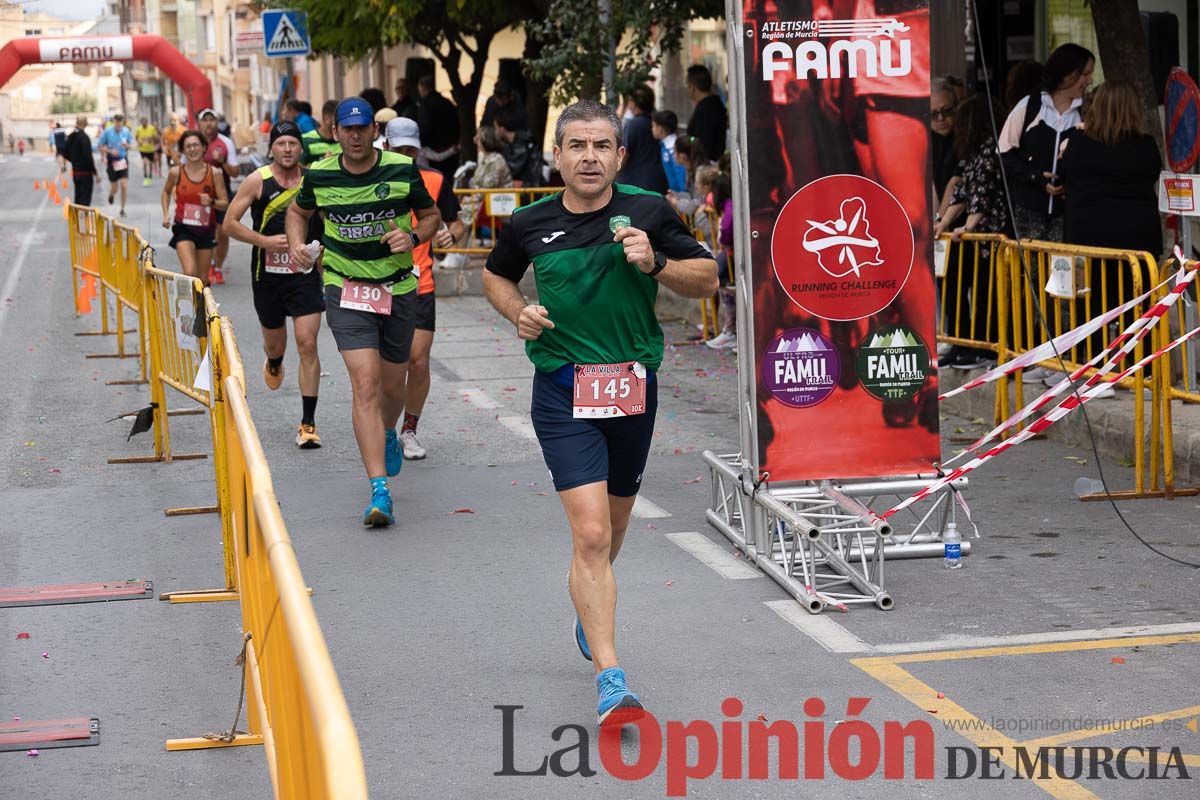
[{"x": 199, "y": 192}]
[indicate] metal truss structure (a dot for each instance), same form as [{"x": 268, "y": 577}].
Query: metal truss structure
[{"x": 819, "y": 541}]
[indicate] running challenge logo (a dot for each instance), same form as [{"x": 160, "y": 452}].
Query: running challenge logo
[
  {"x": 863, "y": 47},
  {"x": 842, "y": 247}
]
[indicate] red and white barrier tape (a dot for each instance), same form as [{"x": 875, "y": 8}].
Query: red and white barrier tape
[
  {"x": 1123, "y": 344},
  {"x": 1084, "y": 395},
  {"x": 1064, "y": 341}
]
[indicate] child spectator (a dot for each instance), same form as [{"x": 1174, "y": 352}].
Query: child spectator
[{"x": 664, "y": 125}]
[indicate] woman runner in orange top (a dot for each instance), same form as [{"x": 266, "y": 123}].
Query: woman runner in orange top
[{"x": 199, "y": 192}]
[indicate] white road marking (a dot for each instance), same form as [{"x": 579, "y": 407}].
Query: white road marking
[
  {"x": 836, "y": 639},
  {"x": 644, "y": 509},
  {"x": 971, "y": 642},
  {"x": 518, "y": 425},
  {"x": 714, "y": 556},
  {"x": 819, "y": 627},
  {"x": 479, "y": 398},
  {"x": 10, "y": 285}
]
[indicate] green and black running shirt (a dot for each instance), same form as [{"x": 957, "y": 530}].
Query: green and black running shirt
[
  {"x": 317, "y": 147},
  {"x": 268, "y": 213},
  {"x": 358, "y": 210},
  {"x": 602, "y": 306}
]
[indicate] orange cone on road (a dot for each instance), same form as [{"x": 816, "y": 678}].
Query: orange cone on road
[
  {"x": 83, "y": 301},
  {"x": 37, "y": 184}
]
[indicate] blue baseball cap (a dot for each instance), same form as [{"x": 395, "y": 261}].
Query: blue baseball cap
[{"x": 355, "y": 111}]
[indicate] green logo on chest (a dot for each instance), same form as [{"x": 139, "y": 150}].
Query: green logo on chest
[
  {"x": 619, "y": 221},
  {"x": 382, "y": 191}
]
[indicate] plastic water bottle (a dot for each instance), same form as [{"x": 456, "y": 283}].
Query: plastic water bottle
[{"x": 953, "y": 543}]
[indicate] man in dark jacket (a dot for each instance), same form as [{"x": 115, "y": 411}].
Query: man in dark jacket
[
  {"x": 643, "y": 160},
  {"x": 505, "y": 103},
  {"x": 521, "y": 153},
  {"x": 709, "y": 120},
  {"x": 437, "y": 119},
  {"x": 405, "y": 105},
  {"x": 78, "y": 153}
]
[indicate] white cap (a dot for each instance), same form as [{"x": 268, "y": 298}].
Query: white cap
[{"x": 402, "y": 132}]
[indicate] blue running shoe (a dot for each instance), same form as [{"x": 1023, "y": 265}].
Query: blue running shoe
[
  {"x": 379, "y": 510},
  {"x": 617, "y": 705},
  {"x": 393, "y": 453},
  {"x": 581, "y": 640}
]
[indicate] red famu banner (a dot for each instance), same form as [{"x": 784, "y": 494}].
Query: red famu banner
[{"x": 836, "y": 153}]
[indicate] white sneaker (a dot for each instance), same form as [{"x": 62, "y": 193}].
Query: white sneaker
[
  {"x": 1037, "y": 375},
  {"x": 412, "y": 448},
  {"x": 723, "y": 341}
]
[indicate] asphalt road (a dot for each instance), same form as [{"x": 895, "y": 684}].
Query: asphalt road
[{"x": 435, "y": 622}]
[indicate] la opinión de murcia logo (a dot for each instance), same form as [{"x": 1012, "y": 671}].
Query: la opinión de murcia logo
[
  {"x": 866, "y": 44},
  {"x": 814, "y": 749},
  {"x": 848, "y": 237}
]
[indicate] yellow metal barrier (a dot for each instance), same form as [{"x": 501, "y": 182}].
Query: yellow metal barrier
[
  {"x": 1185, "y": 316},
  {"x": 493, "y": 206},
  {"x": 224, "y": 360},
  {"x": 296, "y": 708},
  {"x": 1072, "y": 284},
  {"x": 973, "y": 307},
  {"x": 171, "y": 302}
]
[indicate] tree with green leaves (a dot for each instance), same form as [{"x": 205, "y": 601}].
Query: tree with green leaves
[
  {"x": 73, "y": 104},
  {"x": 452, "y": 30},
  {"x": 576, "y": 35}
]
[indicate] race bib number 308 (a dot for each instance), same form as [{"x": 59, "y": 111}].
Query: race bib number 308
[
  {"x": 373, "y": 297},
  {"x": 609, "y": 390}
]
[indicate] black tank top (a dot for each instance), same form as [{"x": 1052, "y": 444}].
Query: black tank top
[{"x": 269, "y": 211}]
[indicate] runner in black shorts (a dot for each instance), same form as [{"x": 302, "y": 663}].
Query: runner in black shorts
[
  {"x": 366, "y": 200},
  {"x": 279, "y": 290},
  {"x": 599, "y": 251}
]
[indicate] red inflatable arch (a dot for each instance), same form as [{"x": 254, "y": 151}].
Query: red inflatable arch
[{"x": 139, "y": 47}]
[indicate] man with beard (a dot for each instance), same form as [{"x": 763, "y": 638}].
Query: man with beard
[{"x": 280, "y": 289}]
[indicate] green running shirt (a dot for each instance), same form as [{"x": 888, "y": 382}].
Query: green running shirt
[
  {"x": 317, "y": 147},
  {"x": 358, "y": 210},
  {"x": 602, "y": 306}
]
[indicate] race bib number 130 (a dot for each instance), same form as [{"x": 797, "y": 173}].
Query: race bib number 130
[
  {"x": 373, "y": 297},
  {"x": 609, "y": 390}
]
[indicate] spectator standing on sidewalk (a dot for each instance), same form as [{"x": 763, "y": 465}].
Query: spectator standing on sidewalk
[
  {"x": 980, "y": 196},
  {"x": 665, "y": 126},
  {"x": 643, "y": 167},
  {"x": 709, "y": 121},
  {"x": 1032, "y": 138},
  {"x": 437, "y": 118},
  {"x": 1110, "y": 175}
]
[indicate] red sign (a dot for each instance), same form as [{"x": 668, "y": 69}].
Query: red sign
[
  {"x": 842, "y": 247},
  {"x": 1182, "y": 104},
  {"x": 836, "y": 142},
  {"x": 609, "y": 390}
]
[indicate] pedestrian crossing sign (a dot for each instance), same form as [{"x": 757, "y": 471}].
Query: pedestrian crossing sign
[{"x": 285, "y": 33}]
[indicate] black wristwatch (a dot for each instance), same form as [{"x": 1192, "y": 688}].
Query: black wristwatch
[
  {"x": 416, "y": 239},
  {"x": 660, "y": 263}
]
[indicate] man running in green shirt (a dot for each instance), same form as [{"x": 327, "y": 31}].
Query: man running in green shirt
[
  {"x": 321, "y": 142},
  {"x": 365, "y": 198},
  {"x": 599, "y": 251}
]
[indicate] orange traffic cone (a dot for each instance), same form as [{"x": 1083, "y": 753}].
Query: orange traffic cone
[
  {"x": 87, "y": 291},
  {"x": 37, "y": 184},
  {"x": 64, "y": 183}
]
